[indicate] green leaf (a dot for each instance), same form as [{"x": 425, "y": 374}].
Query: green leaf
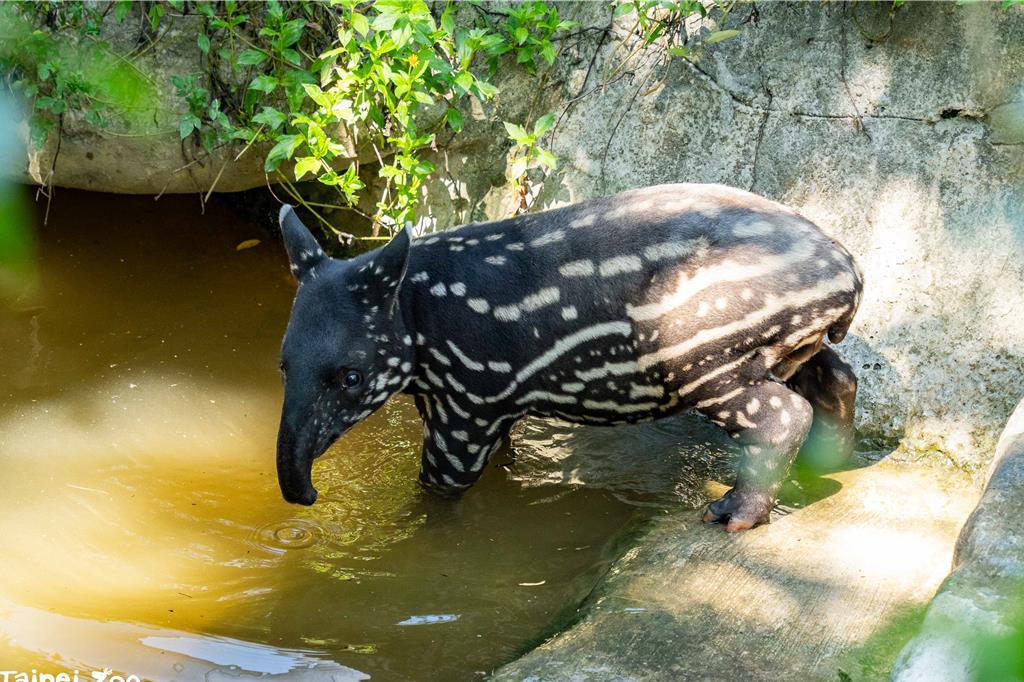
[
  {"x": 454, "y": 119},
  {"x": 39, "y": 130},
  {"x": 422, "y": 97},
  {"x": 271, "y": 118},
  {"x": 360, "y": 23},
  {"x": 520, "y": 34},
  {"x": 517, "y": 133},
  {"x": 447, "y": 22},
  {"x": 384, "y": 22},
  {"x": 547, "y": 159},
  {"x": 291, "y": 32},
  {"x": 208, "y": 138},
  {"x": 654, "y": 34},
  {"x": 156, "y": 13},
  {"x": 464, "y": 80},
  {"x": 678, "y": 51},
  {"x": 264, "y": 83},
  {"x": 285, "y": 147},
  {"x": 204, "y": 43},
  {"x": 291, "y": 56},
  {"x": 317, "y": 95},
  {"x": 252, "y": 57},
  {"x": 121, "y": 9},
  {"x": 484, "y": 90},
  {"x": 719, "y": 36},
  {"x": 624, "y": 8},
  {"x": 306, "y": 164},
  {"x": 186, "y": 127},
  {"x": 543, "y": 124}
]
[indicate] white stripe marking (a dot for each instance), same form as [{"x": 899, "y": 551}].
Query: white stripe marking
[{"x": 619, "y": 265}]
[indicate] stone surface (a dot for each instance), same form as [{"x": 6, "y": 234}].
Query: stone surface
[
  {"x": 142, "y": 152},
  {"x": 980, "y": 608},
  {"x": 822, "y": 592}
]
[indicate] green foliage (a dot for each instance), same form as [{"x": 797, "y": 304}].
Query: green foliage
[
  {"x": 526, "y": 153},
  {"x": 382, "y": 84},
  {"x": 66, "y": 67},
  {"x": 664, "y": 18}
]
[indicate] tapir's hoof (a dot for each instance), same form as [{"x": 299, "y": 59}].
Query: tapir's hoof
[{"x": 740, "y": 510}]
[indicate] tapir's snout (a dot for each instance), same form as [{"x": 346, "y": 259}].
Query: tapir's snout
[{"x": 295, "y": 466}]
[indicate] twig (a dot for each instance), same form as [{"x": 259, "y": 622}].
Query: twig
[
  {"x": 846, "y": 84},
  {"x": 47, "y": 187},
  {"x": 225, "y": 164},
  {"x": 294, "y": 193},
  {"x": 615, "y": 129}
]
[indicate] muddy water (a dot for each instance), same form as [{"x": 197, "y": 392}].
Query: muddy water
[{"x": 141, "y": 524}]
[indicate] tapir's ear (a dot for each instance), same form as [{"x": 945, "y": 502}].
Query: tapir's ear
[
  {"x": 392, "y": 262},
  {"x": 304, "y": 253}
]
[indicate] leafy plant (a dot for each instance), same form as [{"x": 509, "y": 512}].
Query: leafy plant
[
  {"x": 665, "y": 18},
  {"x": 526, "y": 154},
  {"x": 66, "y": 68},
  {"x": 381, "y": 84}
]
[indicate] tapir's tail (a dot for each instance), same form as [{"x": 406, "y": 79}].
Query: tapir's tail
[{"x": 837, "y": 332}]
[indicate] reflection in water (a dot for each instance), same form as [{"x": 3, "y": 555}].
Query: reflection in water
[
  {"x": 157, "y": 654},
  {"x": 138, "y": 410}
]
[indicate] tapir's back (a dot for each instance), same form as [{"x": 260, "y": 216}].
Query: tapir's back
[{"x": 623, "y": 307}]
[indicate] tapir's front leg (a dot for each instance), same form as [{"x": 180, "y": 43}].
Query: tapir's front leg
[
  {"x": 455, "y": 448},
  {"x": 771, "y": 422}
]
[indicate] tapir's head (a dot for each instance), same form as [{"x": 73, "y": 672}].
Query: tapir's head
[{"x": 346, "y": 349}]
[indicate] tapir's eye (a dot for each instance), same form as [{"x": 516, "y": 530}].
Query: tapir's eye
[{"x": 351, "y": 379}]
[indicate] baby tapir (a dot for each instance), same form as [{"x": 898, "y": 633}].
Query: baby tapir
[{"x": 616, "y": 310}]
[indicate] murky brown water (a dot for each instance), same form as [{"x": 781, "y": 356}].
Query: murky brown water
[{"x": 141, "y": 523}]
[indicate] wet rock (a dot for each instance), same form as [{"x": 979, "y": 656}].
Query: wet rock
[
  {"x": 977, "y": 615},
  {"x": 822, "y": 593}
]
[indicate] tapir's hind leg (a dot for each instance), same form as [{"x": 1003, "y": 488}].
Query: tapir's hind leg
[
  {"x": 770, "y": 422},
  {"x": 830, "y": 386}
]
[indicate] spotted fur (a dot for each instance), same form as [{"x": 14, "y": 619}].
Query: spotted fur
[{"x": 616, "y": 310}]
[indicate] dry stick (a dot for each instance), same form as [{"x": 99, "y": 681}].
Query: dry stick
[
  {"x": 586, "y": 77},
  {"x": 188, "y": 165},
  {"x": 48, "y": 184},
  {"x": 621, "y": 43},
  {"x": 225, "y": 164},
  {"x": 294, "y": 193},
  {"x": 266, "y": 177}
]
